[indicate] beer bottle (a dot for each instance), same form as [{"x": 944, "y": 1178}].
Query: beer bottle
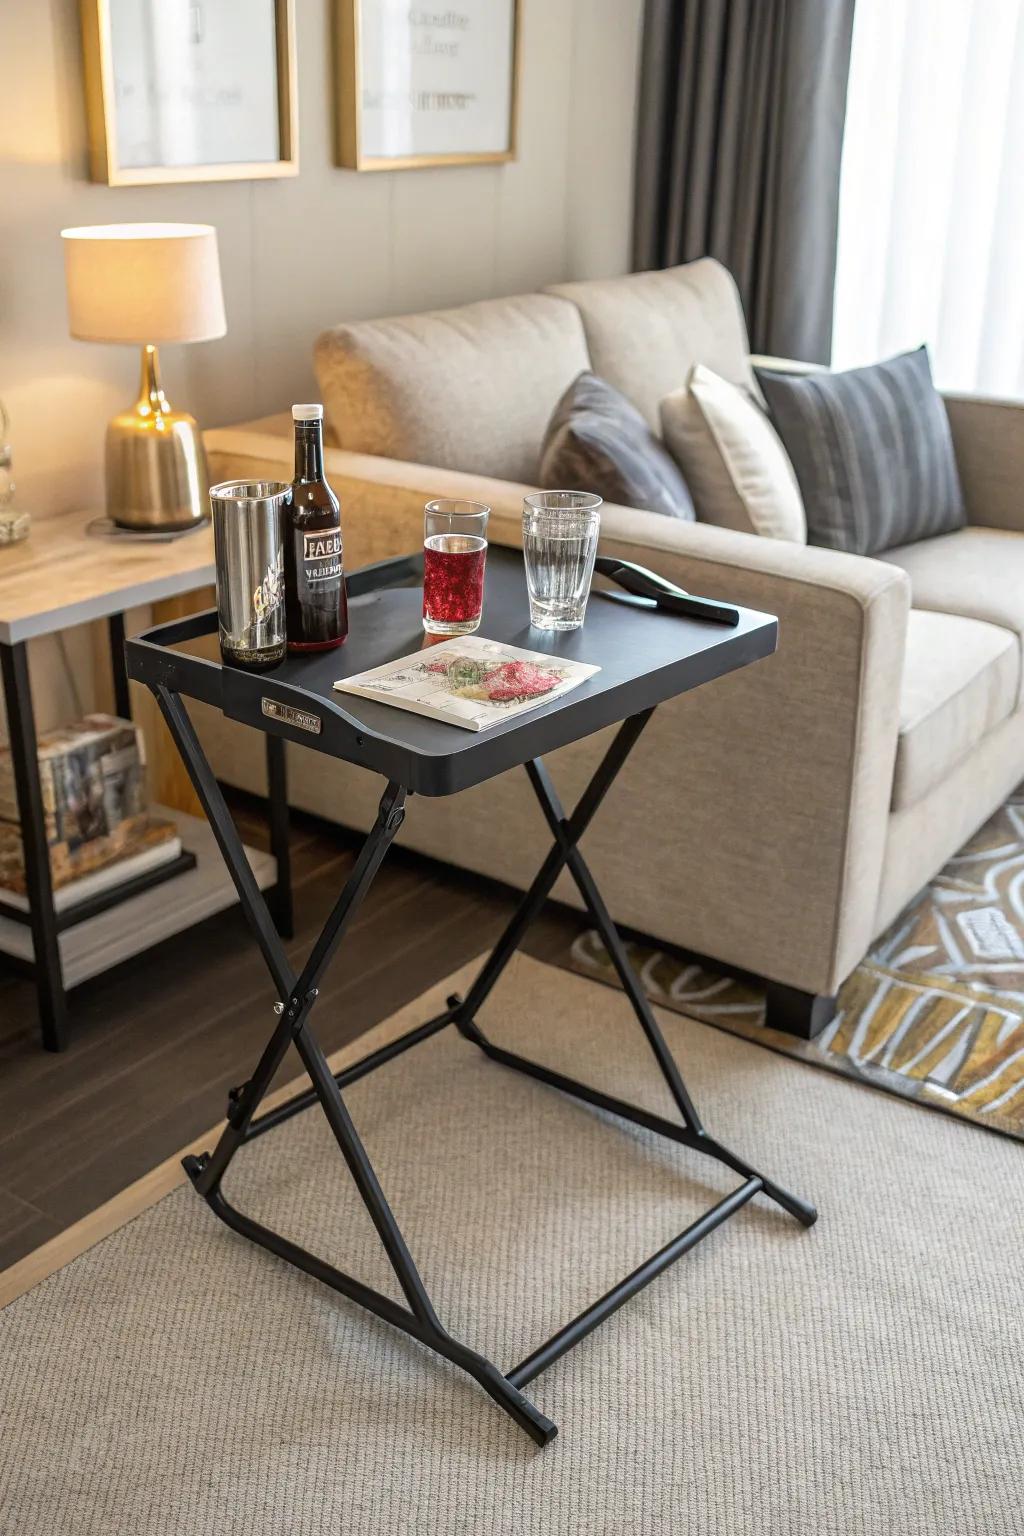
[{"x": 315, "y": 601}]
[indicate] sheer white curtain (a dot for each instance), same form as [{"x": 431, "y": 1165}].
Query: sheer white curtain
[{"x": 931, "y": 203}]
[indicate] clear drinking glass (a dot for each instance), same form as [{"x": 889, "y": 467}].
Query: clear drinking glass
[
  {"x": 454, "y": 555},
  {"x": 560, "y": 530}
]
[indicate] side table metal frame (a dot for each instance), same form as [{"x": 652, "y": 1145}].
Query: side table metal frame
[
  {"x": 44, "y": 921},
  {"x": 297, "y": 996}
]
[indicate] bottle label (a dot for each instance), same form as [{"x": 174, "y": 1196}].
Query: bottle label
[{"x": 321, "y": 555}]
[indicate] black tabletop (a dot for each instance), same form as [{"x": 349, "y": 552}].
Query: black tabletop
[{"x": 645, "y": 655}]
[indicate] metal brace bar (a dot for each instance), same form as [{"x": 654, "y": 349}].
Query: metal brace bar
[
  {"x": 593, "y": 1316},
  {"x": 350, "y": 1075}
]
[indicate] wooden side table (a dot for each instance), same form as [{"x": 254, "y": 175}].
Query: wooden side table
[{"x": 57, "y": 578}]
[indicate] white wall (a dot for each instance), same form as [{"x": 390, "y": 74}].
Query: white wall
[
  {"x": 297, "y": 254},
  {"x": 602, "y": 121}
]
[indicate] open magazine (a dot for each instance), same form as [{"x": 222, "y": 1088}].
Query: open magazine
[{"x": 470, "y": 681}]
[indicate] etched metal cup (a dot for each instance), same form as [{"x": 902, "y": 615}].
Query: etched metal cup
[{"x": 248, "y": 540}]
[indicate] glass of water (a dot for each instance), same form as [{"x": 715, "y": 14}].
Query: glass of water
[{"x": 560, "y": 530}]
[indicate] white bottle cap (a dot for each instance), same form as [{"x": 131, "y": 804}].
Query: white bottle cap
[{"x": 307, "y": 413}]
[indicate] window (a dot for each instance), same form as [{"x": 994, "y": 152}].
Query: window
[{"x": 931, "y": 205}]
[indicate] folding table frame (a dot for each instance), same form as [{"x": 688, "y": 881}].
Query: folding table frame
[
  {"x": 46, "y": 923},
  {"x": 297, "y": 995}
]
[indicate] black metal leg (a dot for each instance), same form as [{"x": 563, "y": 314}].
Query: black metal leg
[
  {"x": 280, "y": 835},
  {"x": 302, "y": 993},
  {"x": 566, "y": 843},
  {"x": 528, "y": 908},
  {"x": 297, "y": 997},
  {"x": 46, "y": 965},
  {"x": 565, "y": 853},
  {"x": 118, "y": 666},
  {"x": 228, "y": 841},
  {"x": 498, "y": 1387}
]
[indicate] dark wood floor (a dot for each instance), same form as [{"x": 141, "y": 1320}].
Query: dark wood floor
[{"x": 158, "y": 1042}]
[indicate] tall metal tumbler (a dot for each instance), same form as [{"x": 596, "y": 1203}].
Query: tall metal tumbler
[{"x": 248, "y": 539}]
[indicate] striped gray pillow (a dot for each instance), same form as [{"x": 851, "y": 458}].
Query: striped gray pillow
[{"x": 872, "y": 452}]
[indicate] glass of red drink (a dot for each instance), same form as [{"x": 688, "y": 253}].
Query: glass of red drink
[{"x": 454, "y": 553}]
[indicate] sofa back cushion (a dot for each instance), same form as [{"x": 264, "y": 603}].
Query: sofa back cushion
[
  {"x": 469, "y": 388},
  {"x": 646, "y": 331},
  {"x": 872, "y": 451}
]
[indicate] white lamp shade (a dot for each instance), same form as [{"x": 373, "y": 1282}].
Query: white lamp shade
[{"x": 143, "y": 283}]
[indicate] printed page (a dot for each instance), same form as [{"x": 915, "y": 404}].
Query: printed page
[{"x": 470, "y": 682}]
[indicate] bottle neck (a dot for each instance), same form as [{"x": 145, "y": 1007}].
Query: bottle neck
[{"x": 309, "y": 451}]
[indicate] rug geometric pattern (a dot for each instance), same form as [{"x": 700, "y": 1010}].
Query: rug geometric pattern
[{"x": 935, "y": 1011}]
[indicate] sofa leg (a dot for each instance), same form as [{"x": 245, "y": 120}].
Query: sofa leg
[{"x": 797, "y": 1013}]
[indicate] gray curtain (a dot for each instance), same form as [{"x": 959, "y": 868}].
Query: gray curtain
[{"x": 740, "y": 132}]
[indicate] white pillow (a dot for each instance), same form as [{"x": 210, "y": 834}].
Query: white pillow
[{"x": 732, "y": 458}]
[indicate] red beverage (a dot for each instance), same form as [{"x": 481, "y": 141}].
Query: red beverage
[{"x": 453, "y": 582}]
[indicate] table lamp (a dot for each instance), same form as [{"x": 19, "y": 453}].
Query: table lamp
[{"x": 142, "y": 284}]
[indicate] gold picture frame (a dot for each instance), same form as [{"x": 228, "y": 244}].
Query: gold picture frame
[
  {"x": 101, "y": 106},
  {"x": 350, "y": 153}
]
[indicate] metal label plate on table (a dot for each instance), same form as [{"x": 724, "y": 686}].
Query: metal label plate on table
[{"x": 289, "y": 715}]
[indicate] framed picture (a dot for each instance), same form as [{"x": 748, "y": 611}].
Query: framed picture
[
  {"x": 190, "y": 90},
  {"x": 425, "y": 83}
]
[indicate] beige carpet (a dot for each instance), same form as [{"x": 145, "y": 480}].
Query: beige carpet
[{"x": 862, "y": 1379}]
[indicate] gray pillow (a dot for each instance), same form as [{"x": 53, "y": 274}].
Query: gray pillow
[
  {"x": 872, "y": 451},
  {"x": 598, "y": 441}
]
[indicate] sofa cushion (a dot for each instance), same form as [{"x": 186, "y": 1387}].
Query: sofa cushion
[
  {"x": 961, "y": 678},
  {"x": 873, "y": 453},
  {"x": 731, "y": 455},
  {"x": 645, "y": 331},
  {"x": 597, "y": 441},
  {"x": 469, "y": 388},
  {"x": 975, "y": 572}
]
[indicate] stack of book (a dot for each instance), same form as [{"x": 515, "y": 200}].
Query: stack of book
[{"x": 99, "y": 829}]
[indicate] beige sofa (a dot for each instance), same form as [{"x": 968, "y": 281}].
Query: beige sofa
[{"x": 779, "y": 819}]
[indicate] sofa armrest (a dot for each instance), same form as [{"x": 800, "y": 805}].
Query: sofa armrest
[
  {"x": 774, "y": 783},
  {"x": 784, "y": 769},
  {"x": 988, "y": 436}
]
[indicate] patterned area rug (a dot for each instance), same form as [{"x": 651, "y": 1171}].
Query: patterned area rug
[{"x": 935, "y": 1012}]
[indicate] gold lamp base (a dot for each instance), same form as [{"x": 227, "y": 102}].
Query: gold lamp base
[{"x": 156, "y": 463}]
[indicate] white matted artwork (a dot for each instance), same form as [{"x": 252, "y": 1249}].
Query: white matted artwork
[
  {"x": 190, "y": 90},
  {"x": 425, "y": 82}
]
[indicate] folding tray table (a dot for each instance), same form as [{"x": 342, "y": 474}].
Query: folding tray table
[{"x": 646, "y": 656}]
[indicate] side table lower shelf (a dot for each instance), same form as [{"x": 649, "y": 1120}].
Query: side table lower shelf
[{"x": 139, "y": 922}]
